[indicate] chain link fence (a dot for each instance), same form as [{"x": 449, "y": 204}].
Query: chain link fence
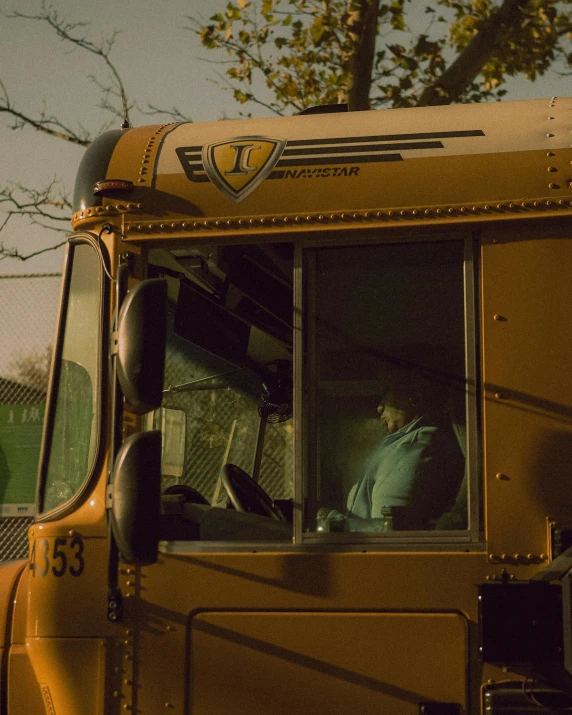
[{"x": 28, "y": 309}]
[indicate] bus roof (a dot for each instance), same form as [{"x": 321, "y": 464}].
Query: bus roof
[{"x": 473, "y": 162}]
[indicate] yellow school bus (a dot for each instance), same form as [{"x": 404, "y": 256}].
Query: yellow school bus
[{"x": 308, "y": 443}]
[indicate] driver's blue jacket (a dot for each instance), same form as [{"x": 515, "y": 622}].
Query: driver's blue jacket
[{"x": 415, "y": 471}]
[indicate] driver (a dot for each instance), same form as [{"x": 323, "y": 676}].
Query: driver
[{"x": 416, "y": 470}]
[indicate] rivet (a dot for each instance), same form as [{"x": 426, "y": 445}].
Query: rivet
[
  {"x": 451, "y": 210},
  {"x": 218, "y": 223},
  {"x": 493, "y": 557},
  {"x": 498, "y": 396},
  {"x": 354, "y": 215},
  {"x": 150, "y": 227},
  {"x": 126, "y": 681},
  {"x": 89, "y": 212},
  {"x": 463, "y": 209},
  {"x": 503, "y": 557},
  {"x": 344, "y": 216},
  {"x": 116, "y": 693},
  {"x": 502, "y": 477},
  {"x": 552, "y": 169},
  {"x": 241, "y": 222},
  {"x": 333, "y": 217},
  {"x": 549, "y": 203},
  {"x": 553, "y": 186},
  {"x": 517, "y": 557},
  {"x": 544, "y": 557},
  {"x": 439, "y": 212},
  {"x": 415, "y": 212},
  {"x": 550, "y": 117},
  {"x": 321, "y": 217},
  {"x": 229, "y": 222},
  {"x": 499, "y": 318},
  {"x": 524, "y": 204},
  {"x": 141, "y": 181},
  {"x": 391, "y": 214},
  {"x": 531, "y": 557},
  {"x": 487, "y": 207},
  {"x": 196, "y": 224},
  {"x": 140, "y": 227},
  {"x": 550, "y": 153},
  {"x": 263, "y": 220},
  {"x": 427, "y": 212},
  {"x": 130, "y": 583},
  {"x": 163, "y": 225},
  {"x": 403, "y": 213},
  {"x": 379, "y": 214},
  {"x": 550, "y": 135}
]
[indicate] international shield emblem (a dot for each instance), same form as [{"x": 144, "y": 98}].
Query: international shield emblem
[{"x": 237, "y": 166}]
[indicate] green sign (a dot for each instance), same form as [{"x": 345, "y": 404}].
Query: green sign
[{"x": 20, "y": 438}]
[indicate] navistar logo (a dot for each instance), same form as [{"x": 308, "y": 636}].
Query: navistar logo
[{"x": 238, "y": 166}]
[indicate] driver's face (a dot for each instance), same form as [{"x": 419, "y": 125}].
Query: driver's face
[{"x": 393, "y": 417}]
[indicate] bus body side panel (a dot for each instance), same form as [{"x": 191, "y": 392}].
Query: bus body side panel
[
  {"x": 24, "y": 693},
  {"x": 10, "y": 571},
  {"x": 361, "y": 628},
  {"x": 527, "y": 313}
]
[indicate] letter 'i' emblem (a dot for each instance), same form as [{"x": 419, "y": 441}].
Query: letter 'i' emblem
[{"x": 237, "y": 166}]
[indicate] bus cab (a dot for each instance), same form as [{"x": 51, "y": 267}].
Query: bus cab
[{"x": 309, "y": 427}]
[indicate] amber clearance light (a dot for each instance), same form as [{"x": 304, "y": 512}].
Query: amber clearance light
[{"x": 112, "y": 186}]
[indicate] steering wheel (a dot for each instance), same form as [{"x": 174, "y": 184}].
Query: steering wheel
[
  {"x": 248, "y": 496},
  {"x": 190, "y": 495}
]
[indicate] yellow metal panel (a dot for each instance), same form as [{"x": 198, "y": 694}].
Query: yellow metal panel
[
  {"x": 24, "y": 695},
  {"x": 367, "y": 663},
  {"x": 9, "y": 572},
  {"x": 71, "y": 674},
  {"x": 527, "y": 341}
]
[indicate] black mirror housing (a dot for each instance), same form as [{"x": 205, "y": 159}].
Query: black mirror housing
[
  {"x": 142, "y": 337},
  {"x": 136, "y": 498}
]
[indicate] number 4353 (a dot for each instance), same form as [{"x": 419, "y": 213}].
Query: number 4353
[{"x": 66, "y": 556}]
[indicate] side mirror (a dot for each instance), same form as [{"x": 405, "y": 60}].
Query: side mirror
[
  {"x": 136, "y": 498},
  {"x": 142, "y": 337}
]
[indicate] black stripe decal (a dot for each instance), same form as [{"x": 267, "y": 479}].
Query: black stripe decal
[
  {"x": 389, "y": 137},
  {"x": 368, "y": 159},
  {"x": 358, "y": 148}
]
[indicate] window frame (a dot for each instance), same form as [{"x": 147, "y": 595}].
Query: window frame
[
  {"x": 471, "y": 538},
  {"x": 102, "y": 371}
]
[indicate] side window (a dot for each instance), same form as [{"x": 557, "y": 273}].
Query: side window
[
  {"x": 385, "y": 377},
  {"x": 72, "y": 430},
  {"x": 227, "y": 404}
]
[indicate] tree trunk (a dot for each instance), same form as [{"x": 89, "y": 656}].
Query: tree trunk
[
  {"x": 458, "y": 76},
  {"x": 362, "y": 31}
]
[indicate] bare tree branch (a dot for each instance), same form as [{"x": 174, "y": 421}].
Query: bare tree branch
[{"x": 75, "y": 34}]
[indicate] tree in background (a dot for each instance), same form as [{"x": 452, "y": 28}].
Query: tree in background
[
  {"x": 290, "y": 54},
  {"x": 33, "y": 369}
]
